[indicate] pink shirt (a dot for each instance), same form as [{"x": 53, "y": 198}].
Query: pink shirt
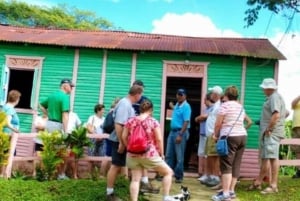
[
  {"x": 150, "y": 124},
  {"x": 231, "y": 111}
]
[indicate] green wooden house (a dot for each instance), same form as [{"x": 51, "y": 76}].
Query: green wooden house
[{"x": 103, "y": 64}]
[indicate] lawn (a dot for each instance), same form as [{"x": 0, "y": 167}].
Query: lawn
[
  {"x": 90, "y": 190},
  {"x": 289, "y": 190},
  {"x": 67, "y": 190}
]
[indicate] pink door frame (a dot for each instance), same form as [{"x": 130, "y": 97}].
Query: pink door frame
[{"x": 184, "y": 69}]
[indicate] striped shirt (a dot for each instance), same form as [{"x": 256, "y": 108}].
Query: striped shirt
[{"x": 231, "y": 112}]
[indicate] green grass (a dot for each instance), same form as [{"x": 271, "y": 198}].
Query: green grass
[
  {"x": 67, "y": 190},
  {"x": 288, "y": 191}
]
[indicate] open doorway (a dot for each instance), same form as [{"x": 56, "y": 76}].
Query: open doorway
[{"x": 193, "y": 87}]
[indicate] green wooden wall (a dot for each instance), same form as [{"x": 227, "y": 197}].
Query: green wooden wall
[
  {"x": 88, "y": 82},
  {"x": 59, "y": 61}
]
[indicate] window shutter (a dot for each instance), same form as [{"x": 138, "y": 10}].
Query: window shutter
[
  {"x": 33, "y": 102},
  {"x": 4, "y": 84}
]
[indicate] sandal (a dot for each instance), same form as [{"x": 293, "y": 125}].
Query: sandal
[
  {"x": 269, "y": 190},
  {"x": 254, "y": 186}
]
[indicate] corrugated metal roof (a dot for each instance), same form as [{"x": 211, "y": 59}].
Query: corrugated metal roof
[{"x": 248, "y": 47}]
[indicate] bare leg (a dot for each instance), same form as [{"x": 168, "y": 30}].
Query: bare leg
[
  {"x": 104, "y": 167},
  {"x": 264, "y": 170},
  {"x": 233, "y": 184},
  {"x": 112, "y": 175},
  {"x": 226, "y": 182},
  {"x": 275, "y": 170},
  {"x": 201, "y": 165},
  {"x": 136, "y": 175},
  {"x": 167, "y": 173}
]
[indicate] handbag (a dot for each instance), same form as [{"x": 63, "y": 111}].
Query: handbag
[{"x": 222, "y": 146}]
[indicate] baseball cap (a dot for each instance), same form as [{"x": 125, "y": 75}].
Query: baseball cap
[
  {"x": 216, "y": 89},
  {"x": 268, "y": 83},
  {"x": 67, "y": 81},
  {"x": 181, "y": 92},
  {"x": 139, "y": 83}
]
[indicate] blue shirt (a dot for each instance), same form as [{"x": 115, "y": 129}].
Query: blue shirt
[
  {"x": 15, "y": 121},
  {"x": 181, "y": 113}
]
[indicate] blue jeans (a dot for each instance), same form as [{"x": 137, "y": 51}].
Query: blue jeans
[{"x": 175, "y": 153}]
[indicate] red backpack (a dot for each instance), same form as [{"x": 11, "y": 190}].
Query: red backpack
[{"x": 138, "y": 139}]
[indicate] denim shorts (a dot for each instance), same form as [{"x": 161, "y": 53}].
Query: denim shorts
[{"x": 270, "y": 147}]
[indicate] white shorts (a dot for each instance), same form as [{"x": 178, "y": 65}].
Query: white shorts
[{"x": 202, "y": 144}]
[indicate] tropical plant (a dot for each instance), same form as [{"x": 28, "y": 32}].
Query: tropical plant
[
  {"x": 54, "y": 150},
  {"x": 4, "y": 141},
  {"x": 286, "y": 152},
  {"x": 78, "y": 140}
]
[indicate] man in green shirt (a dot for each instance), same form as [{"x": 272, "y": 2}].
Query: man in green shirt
[{"x": 56, "y": 107}]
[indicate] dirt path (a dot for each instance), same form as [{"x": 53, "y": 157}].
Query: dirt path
[{"x": 197, "y": 190}]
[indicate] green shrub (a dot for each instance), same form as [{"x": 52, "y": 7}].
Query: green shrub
[
  {"x": 4, "y": 141},
  {"x": 54, "y": 150}
]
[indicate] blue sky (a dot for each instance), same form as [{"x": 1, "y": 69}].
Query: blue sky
[
  {"x": 139, "y": 15},
  {"x": 203, "y": 18}
]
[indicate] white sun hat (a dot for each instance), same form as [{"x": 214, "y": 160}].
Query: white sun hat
[
  {"x": 268, "y": 83},
  {"x": 216, "y": 89}
]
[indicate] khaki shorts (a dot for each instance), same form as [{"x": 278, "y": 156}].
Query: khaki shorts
[
  {"x": 296, "y": 134},
  {"x": 270, "y": 147},
  {"x": 210, "y": 147},
  {"x": 137, "y": 162}
]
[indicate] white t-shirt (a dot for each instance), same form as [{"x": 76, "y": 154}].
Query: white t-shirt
[
  {"x": 97, "y": 123},
  {"x": 211, "y": 118},
  {"x": 74, "y": 122}
]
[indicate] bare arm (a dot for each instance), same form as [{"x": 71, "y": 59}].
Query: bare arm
[
  {"x": 201, "y": 118},
  {"x": 119, "y": 130},
  {"x": 90, "y": 128},
  {"x": 125, "y": 136},
  {"x": 65, "y": 119},
  {"x": 295, "y": 101},
  {"x": 248, "y": 122},
  {"x": 159, "y": 141},
  {"x": 9, "y": 125},
  {"x": 44, "y": 110},
  {"x": 218, "y": 125},
  {"x": 274, "y": 118}
]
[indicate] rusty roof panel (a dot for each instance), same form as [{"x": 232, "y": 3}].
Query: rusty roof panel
[{"x": 246, "y": 47}]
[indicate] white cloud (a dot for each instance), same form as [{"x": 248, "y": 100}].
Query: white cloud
[
  {"x": 189, "y": 24},
  {"x": 289, "y": 70}
]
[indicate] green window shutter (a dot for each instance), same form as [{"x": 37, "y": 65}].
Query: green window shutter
[
  {"x": 33, "y": 103},
  {"x": 4, "y": 84}
]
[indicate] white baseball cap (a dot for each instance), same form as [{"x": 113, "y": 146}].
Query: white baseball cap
[
  {"x": 268, "y": 83},
  {"x": 216, "y": 89}
]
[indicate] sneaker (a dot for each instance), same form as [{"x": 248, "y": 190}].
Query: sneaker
[
  {"x": 220, "y": 197},
  {"x": 148, "y": 188},
  {"x": 213, "y": 182},
  {"x": 203, "y": 178},
  {"x": 112, "y": 197},
  {"x": 205, "y": 181},
  {"x": 62, "y": 177},
  {"x": 232, "y": 195},
  {"x": 178, "y": 181}
]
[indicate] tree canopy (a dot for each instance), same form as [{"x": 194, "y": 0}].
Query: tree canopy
[
  {"x": 274, "y": 6},
  {"x": 61, "y": 17}
]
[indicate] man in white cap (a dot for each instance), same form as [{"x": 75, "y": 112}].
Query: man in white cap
[
  {"x": 212, "y": 179},
  {"x": 271, "y": 131}
]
